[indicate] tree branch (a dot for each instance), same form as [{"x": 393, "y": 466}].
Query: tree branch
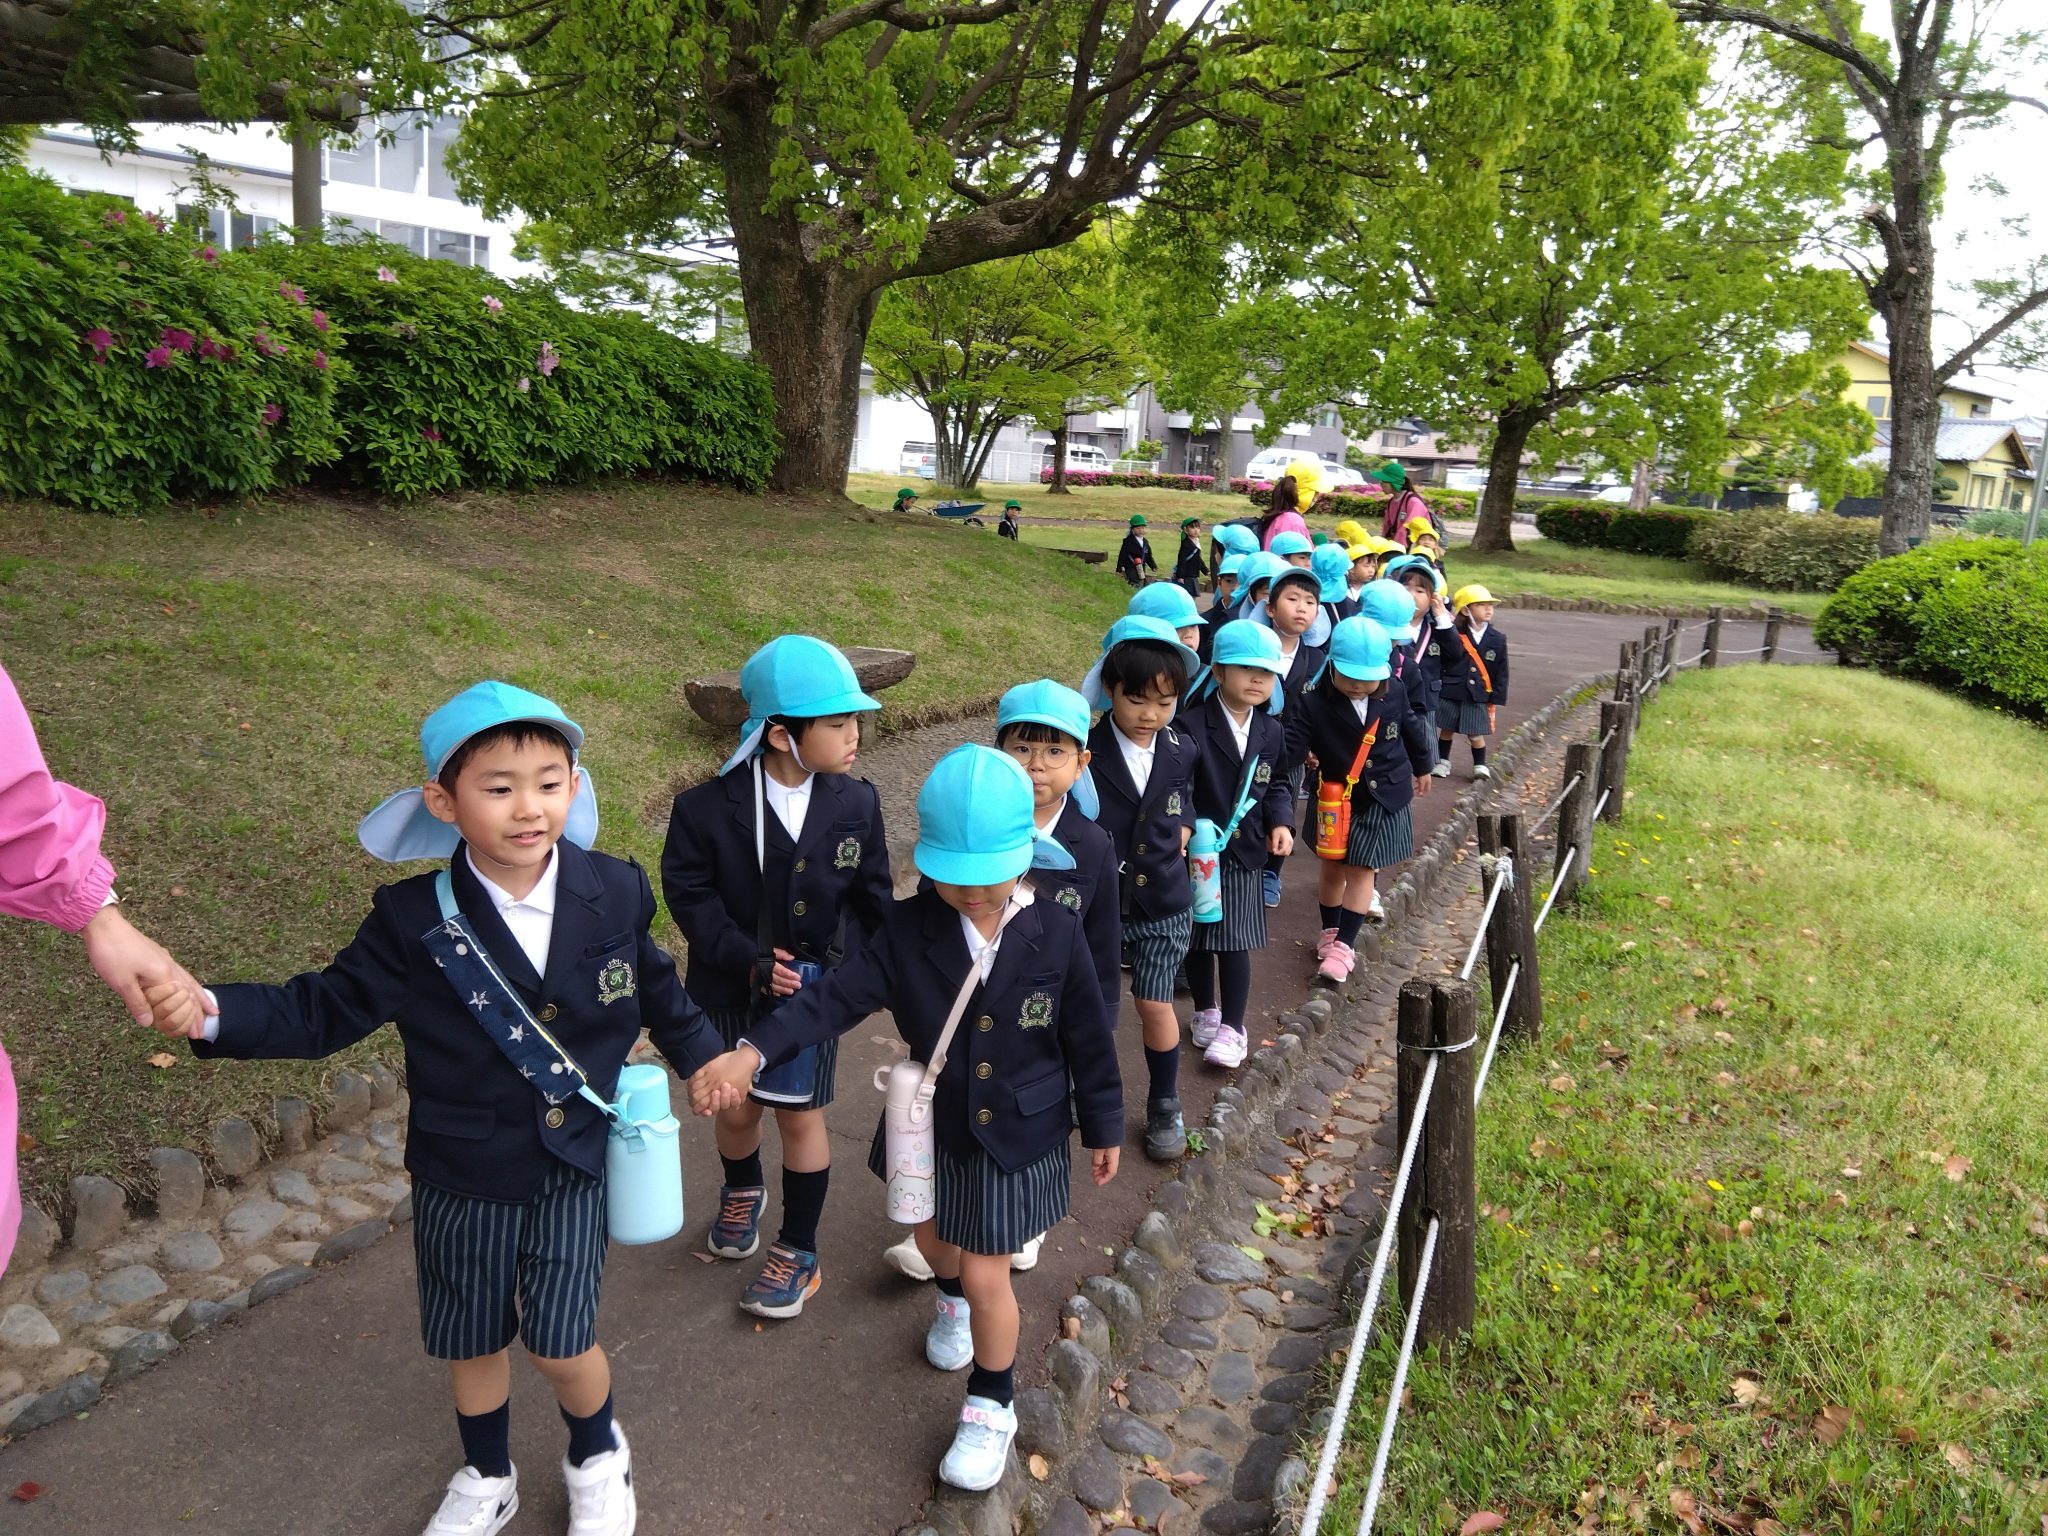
[
  {"x": 1960, "y": 359},
  {"x": 897, "y": 14},
  {"x": 1846, "y": 54}
]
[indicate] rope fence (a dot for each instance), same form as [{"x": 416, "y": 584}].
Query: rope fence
[{"x": 1431, "y": 1227}]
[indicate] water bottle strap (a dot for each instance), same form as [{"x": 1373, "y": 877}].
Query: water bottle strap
[{"x": 967, "y": 989}]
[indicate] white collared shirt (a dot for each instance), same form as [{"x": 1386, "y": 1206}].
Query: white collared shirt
[
  {"x": 1242, "y": 730},
  {"x": 788, "y": 802},
  {"x": 1051, "y": 818},
  {"x": 1363, "y": 709},
  {"x": 531, "y": 918},
  {"x": 1478, "y": 631},
  {"x": 1136, "y": 758},
  {"x": 982, "y": 952}
]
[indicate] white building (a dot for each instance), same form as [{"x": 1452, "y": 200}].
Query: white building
[{"x": 401, "y": 191}]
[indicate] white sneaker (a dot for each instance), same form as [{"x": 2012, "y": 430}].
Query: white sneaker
[
  {"x": 907, "y": 1259},
  {"x": 981, "y": 1446},
  {"x": 1481, "y": 771},
  {"x": 1229, "y": 1048},
  {"x": 1027, "y": 1256},
  {"x": 1203, "y": 1030},
  {"x": 949, "y": 1342},
  {"x": 1377, "y": 912},
  {"x": 475, "y": 1505},
  {"x": 1442, "y": 770},
  {"x": 601, "y": 1492}
]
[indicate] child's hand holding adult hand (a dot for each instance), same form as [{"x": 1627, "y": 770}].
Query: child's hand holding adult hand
[
  {"x": 723, "y": 1081},
  {"x": 169, "y": 1009},
  {"x": 1281, "y": 841},
  {"x": 131, "y": 962},
  {"x": 782, "y": 981},
  {"x": 1104, "y": 1161}
]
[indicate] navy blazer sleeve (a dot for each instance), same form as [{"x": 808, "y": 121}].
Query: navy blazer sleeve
[
  {"x": 1420, "y": 745},
  {"x": 1500, "y": 673},
  {"x": 689, "y": 868},
  {"x": 874, "y": 889},
  {"x": 1102, "y": 925},
  {"x": 679, "y": 1028},
  {"x": 829, "y": 1006},
  {"x": 1279, "y": 791},
  {"x": 319, "y": 1012},
  {"x": 1089, "y": 1045}
]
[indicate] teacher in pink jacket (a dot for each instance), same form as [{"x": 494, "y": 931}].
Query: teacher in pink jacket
[{"x": 52, "y": 871}]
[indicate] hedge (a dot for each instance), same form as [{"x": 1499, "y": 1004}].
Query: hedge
[
  {"x": 1659, "y": 529},
  {"x": 138, "y": 365},
  {"x": 1768, "y": 547},
  {"x": 1879, "y": 615},
  {"x": 1141, "y": 478}
]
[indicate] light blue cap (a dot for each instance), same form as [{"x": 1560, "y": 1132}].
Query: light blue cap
[
  {"x": 1262, "y": 565},
  {"x": 1243, "y": 643},
  {"x": 1362, "y": 650},
  {"x": 1390, "y": 605},
  {"x": 1332, "y": 566},
  {"x": 796, "y": 677},
  {"x": 1166, "y": 600},
  {"x": 1046, "y": 702},
  {"x": 1396, "y": 569},
  {"x": 974, "y": 822},
  {"x": 1230, "y": 565},
  {"x": 1236, "y": 538},
  {"x": 403, "y": 828},
  {"x": 1290, "y": 543},
  {"x": 1134, "y": 626}
]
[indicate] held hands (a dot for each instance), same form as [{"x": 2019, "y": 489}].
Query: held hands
[
  {"x": 1281, "y": 841},
  {"x": 722, "y": 1083},
  {"x": 782, "y": 981},
  {"x": 136, "y": 966},
  {"x": 1103, "y": 1163}
]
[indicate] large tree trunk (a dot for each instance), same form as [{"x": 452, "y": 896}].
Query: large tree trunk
[
  {"x": 949, "y": 438},
  {"x": 308, "y": 219},
  {"x": 1642, "y": 487},
  {"x": 1496, "y": 531},
  {"x": 1057, "y": 486},
  {"x": 1908, "y": 311}
]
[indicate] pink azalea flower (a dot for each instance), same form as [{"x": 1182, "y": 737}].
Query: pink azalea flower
[
  {"x": 268, "y": 347},
  {"x": 209, "y": 255},
  {"x": 386, "y": 275},
  {"x": 319, "y": 318},
  {"x": 548, "y": 361},
  {"x": 523, "y": 385},
  {"x": 319, "y": 359},
  {"x": 431, "y": 434},
  {"x": 272, "y": 415},
  {"x": 155, "y": 221},
  {"x": 112, "y": 217},
  {"x": 493, "y": 303},
  {"x": 177, "y": 338},
  {"x": 157, "y": 357},
  {"x": 101, "y": 340}
]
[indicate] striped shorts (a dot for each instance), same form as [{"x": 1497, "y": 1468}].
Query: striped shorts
[
  {"x": 733, "y": 1023},
  {"x": 1158, "y": 946},
  {"x": 1243, "y": 924},
  {"x": 984, "y": 1209},
  {"x": 1380, "y": 838},
  {"x": 492, "y": 1270}
]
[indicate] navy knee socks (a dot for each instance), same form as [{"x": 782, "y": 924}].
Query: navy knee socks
[
  {"x": 487, "y": 1440},
  {"x": 743, "y": 1172},
  {"x": 996, "y": 1386},
  {"x": 803, "y": 1202},
  {"x": 1348, "y": 924},
  {"x": 1163, "y": 1068},
  {"x": 590, "y": 1436}
]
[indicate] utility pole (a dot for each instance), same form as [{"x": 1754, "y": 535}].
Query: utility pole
[{"x": 2040, "y": 489}]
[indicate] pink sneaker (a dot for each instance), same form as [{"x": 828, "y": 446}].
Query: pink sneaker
[
  {"x": 1229, "y": 1048},
  {"x": 1337, "y": 963},
  {"x": 1203, "y": 1030},
  {"x": 1323, "y": 942}
]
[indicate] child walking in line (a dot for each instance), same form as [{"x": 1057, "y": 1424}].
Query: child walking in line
[
  {"x": 1134, "y": 555},
  {"x": 1189, "y": 567},
  {"x": 1231, "y": 539},
  {"x": 1475, "y": 685},
  {"x": 1331, "y": 565},
  {"x": 1432, "y": 625},
  {"x": 1241, "y": 785},
  {"x": 1044, "y": 726},
  {"x": 1144, "y": 775},
  {"x": 1006, "y": 525},
  {"x": 1294, "y": 548},
  {"x": 1169, "y": 602},
  {"x": 1293, "y": 610},
  {"x": 1366, "y": 741},
  {"x": 522, "y": 924},
  {"x": 1221, "y": 606},
  {"x": 775, "y": 871},
  {"x": 996, "y": 991}
]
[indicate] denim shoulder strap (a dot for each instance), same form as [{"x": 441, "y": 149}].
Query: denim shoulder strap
[{"x": 501, "y": 1013}]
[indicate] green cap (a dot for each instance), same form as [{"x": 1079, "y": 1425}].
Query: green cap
[
  {"x": 1013, "y": 505},
  {"x": 906, "y": 494},
  {"x": 1137, "y": 520},
  {"x": 1191, "y": 522},
  {"x": 1390, "y": 473}
]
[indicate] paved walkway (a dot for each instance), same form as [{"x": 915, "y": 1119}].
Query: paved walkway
[{"x": 317, "y": 1413}]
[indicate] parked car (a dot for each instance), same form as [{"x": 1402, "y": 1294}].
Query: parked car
[
  {"x": 920, "y": 459},
  {"x": 1799, "y": 499},
  {"x": 1270, "y": 464},
  {"x": 1617, "y": 494},
  {"x": 1465, "y": 480},
  {"x": 1083, "y": 456}
]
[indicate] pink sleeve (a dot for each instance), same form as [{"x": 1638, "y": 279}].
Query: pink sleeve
[
  {"x": 1285, "y": 522},
  {"x": 51, "y": 868}
]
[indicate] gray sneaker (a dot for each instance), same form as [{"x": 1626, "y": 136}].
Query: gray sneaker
[{"x": 1166, "y": 1133}]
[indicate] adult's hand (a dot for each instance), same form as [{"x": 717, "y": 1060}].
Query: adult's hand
[{"x": 130, "y": 961}]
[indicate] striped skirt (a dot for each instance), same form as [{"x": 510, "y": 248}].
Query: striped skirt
[
  {"x": 1158, "y": 946},
  {"x": 1243, "y": 924},
  {"x": 734, "y": 1022},
  {"x": 1459, "y": 717},
  {"x": 984, "y": 1209},
  {"x": 1380, "y": 838}
]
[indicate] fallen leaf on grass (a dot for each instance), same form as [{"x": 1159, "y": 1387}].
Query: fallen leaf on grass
[
  {"x": 1956, "y": 1168},
  {"x": 1485, "y": 1520},
  {"x": 1041, "y": 1469},
  {"x": 161, "y": 1059},
  {"x": 1830, "y": 1424},
  {"x": 1958, "y": 1457},
  {"x": 1562, "y": 1083},
  {"x": 1747, "y": 1392},
  {"x": 1686, "y": 1508}
]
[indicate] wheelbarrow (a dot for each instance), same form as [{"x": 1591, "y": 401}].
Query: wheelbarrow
[{"x": 960, "y": 511}]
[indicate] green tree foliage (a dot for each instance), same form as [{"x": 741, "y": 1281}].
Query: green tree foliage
[{"x": 1034, "y": 338}]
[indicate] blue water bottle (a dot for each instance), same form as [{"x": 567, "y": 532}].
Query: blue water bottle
[
  {"x": 643, "y": 1160},
  {"x": 795, "y": 1080}
]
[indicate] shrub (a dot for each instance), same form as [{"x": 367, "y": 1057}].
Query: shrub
[
  {"x": 460, "y": 378},
  {"x": 1656, "y": 530},
  {"x": 1582, "y": 523},
  {"x": 1877, "y": 616},
  {"x": 1987, "y": 627},
  {"x": 1137, "y": 478},
  {"x": 137, "y": 365},
  {"x": 1768, "y": 547},
  {"x": 1995, "y": 523}
]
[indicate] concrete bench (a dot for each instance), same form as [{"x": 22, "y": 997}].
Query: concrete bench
[{"x": 718, "y": 701}]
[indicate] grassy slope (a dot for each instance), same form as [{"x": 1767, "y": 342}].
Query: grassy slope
[
  {"x": 1781, "y": 1154},
  {"x": 241, "y": 688}
]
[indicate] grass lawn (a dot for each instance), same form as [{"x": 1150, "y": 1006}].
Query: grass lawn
[
  {"x": 1610, "y": 576},
  {"x": 1763, "y": 1244},
  {"x": 1105, "y": 503},
  {"x": 241, "y": 687}
]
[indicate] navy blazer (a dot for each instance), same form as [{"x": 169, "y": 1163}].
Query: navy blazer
[
  {"x": 1089, "y": 888},
  {"x": 713, "y": 883},
  {"x": 1189, "y": 567},
  {"x": 1219, "y": 774},
  {"x": 1462, "y": 683},
  {"x": 1134, "y": 558},
  {"x": 1402, "y": 749},
  {"x": 476, "y": 1126},
  {"x": 1145, "y": 830},
  {"x": 1303, "y": 670},
  {"x": 1033, "y": 1033},
  {"x": 1407, "y": 671},
  {"x": 1432, "y": 645}
]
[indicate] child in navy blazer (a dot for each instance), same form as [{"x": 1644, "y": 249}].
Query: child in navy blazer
[
  {"x": 1360, "y": 698},
  {"x": 1241, "y": 785},
  {"x": 1475, "y": 682},
  {"x": 1134, "y": 555},
  {"x": 1425, "y": 584},
  {"x": 1032, "y": 1052},
  {"x": 778, "y": 863},
  {"x": 1144, "y": 775},
  {"x": 1293, "y": 609},
  {"x": 508, "y": 1174}
]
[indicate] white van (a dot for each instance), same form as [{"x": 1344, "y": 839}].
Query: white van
[{"x": 1081, "y": 456}]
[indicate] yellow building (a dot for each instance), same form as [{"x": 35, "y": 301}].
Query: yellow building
[
  {"x": 1870, "y": 386},
  {"x": 1982, "y": 456}
]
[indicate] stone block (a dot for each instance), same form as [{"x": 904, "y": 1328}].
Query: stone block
[
  {"x": 278, "y": 1281},
  {"x": 293, "y": 1187},
  {"x": 351, "y": 1100},
  {"x": 383, "y": 1085},
  {"x": 191, "y": 1253},
  {"x": 180, "y": 1183},
  {"x": 131, "y": 1286},
  {"x": 23, "y": 1328},
  {"x": 62, "y": 1285},
  {"x": 100, "y": 1211},
  {"x": 1041, "y": 1428},
  {"x": 139, "y": 1354},
  {"x": 1120, "y": 1305},
  {"x": 1156, "y": 1236},
  {"x": 342, "y": 1170},
  {"x": 351, "y": 1240},
  {"x": 1225, "y": 1264},
  {"x": 294, "y": 1119},
  {"x": 1122, "y": 1430},
  {"x": 198, "y": 1316},
  {"x": 251, "y": 1221},
  {"x": 718, "y": 701},
  {"x": 1146, "y": 1277},
  {"x": 38, "y": 1236},
  {"x": 237, "y": 1147},
  {"x": 1095, "y": 1336},
  {"x": 1076, "y": 1374},
  {"x": 60, "y": 1402}
]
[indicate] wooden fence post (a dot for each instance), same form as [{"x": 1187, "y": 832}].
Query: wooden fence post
[
  {"x": 1772, "y": 626},
  {"x": 1613, "y": 758},
  {"x": 1575, "y": 815},
  {"x": 1435, "y": 1014},
  {"x": 1511, "y": 938},
  {"x": 1711, "y": 656},
  {"x": 1671, "y": 629}
]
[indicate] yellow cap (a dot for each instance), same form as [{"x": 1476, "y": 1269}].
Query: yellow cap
[
  {"x": 1385, "y": 546},
  {"x": 1350, "y": 531},
  {"x": 1468, "y": 595},
  {"x": 1421, "y": 522},
  {"x": 1364, "y": 551}
]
